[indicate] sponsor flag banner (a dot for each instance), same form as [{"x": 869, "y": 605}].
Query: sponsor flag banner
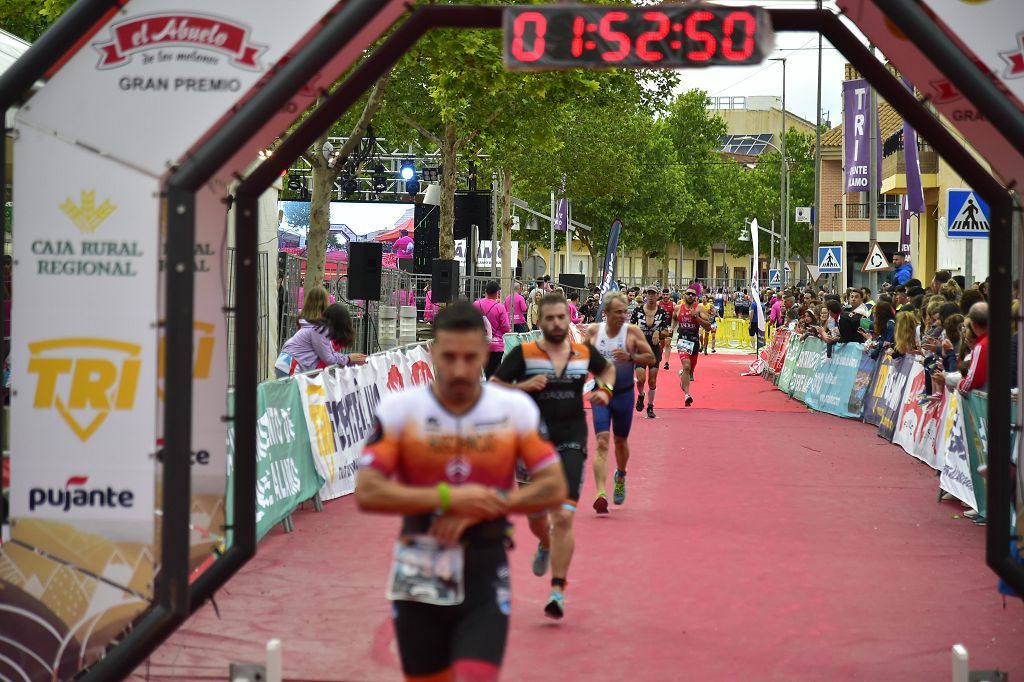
[
  {"x": 608, "y": 282},
  {"x": 789, "y": 365},
  {"x": 955, "y": 477},
  {"x": 286, "y": 473},
  {"x": 906, "y": 236},
  {"x": 893, "y": 393},
  {"x": 829, "y": 390},
  {"x": 808, "y": 362},
  {"x": 874, "y": 400},
  {"x": 856, "y": 137},
  {"x": 975, "y": 409},
  {"x": 915, "y": 190},
  {"x": 919, "y": 420},
  {"x": 861, "y": 384},
  {"x": 755, "y": 286}
]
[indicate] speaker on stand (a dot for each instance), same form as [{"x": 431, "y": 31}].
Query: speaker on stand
[{"x": 364, "y": 271}]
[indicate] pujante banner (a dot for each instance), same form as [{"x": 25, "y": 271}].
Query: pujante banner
[
  {"x": 856, "y": 140},
  {"x": 920, "y": 419}
]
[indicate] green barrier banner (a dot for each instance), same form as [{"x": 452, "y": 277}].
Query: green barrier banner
[
  {"x": 811, "y": 357},
  {"x": 512, "y": 339},
  {"x": 789, "y": 365},
  {"x": 285, "y": 472},
  {"x": 830, "y": 389},
  {"x": 975, "y": 408}
]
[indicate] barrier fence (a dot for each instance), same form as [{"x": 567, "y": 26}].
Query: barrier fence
[{"x": 949, "y": 434}]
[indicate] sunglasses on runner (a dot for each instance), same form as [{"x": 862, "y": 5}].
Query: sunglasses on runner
[{"x": 691, "y": 293}]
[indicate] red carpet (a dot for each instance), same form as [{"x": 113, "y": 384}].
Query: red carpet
[{"x": 759, "y": 542}]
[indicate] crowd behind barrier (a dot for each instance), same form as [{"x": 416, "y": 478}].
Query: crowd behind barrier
[{"x": 890, "y": 393}]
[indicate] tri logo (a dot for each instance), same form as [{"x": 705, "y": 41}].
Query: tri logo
[{"x": 84, "y": 379}]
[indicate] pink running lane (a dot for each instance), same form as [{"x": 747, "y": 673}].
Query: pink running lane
[{"x": 759, "y": 541}]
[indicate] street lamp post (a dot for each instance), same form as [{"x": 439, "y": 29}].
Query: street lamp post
[{"x": 783, "y": 191}]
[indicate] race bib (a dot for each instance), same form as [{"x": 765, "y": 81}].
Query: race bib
[
  {"x": 685, "y": 346},
  {"x": 424, "y": 571}
]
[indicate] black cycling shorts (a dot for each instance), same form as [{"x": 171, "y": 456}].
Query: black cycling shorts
[
  {"x": 432, "y": 638},
  {"x": 658, "y": 351},
  {"x": 573, "y": 455}
]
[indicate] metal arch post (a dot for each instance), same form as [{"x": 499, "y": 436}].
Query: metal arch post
[{"x": 965, "y": 75}]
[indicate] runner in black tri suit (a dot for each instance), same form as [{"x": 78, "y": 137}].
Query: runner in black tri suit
[
  {"x": 553, "y": 371},
  {"x": 444, "y": 457},
  {"x": 655, "y": 323}
]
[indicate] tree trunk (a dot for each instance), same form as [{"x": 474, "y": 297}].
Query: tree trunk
[
  {"x": 319, "y": 215},
  {"x": 449, "y": 182},
  {"x": 595, "y": 267},
  {"x": 323, "y": 184},
  {"x": 643, "y": 267},
  {"x": 508, "y": 263}
]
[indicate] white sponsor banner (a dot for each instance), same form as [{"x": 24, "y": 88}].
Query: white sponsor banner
[
  {"x": 84, "y": 351},
  {"x": 919, "y": 419},
  {"x": 952, "y": 450},
  {"x": 994, "y": 31},
  {"x": 937, "y": 88},
  {"x": 339, "y": 405},
  {"x": 162, "y": 72},
  {"x": 483, "y": 253}
]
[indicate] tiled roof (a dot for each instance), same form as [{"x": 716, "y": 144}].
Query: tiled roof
[{"x": 889, "y": 121}]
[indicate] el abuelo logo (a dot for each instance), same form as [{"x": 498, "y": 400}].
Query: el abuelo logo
[
  {"x": 74, "y": 494},
  {"x": 203, "y": 36},
  {"x": 84, "y": 379}
]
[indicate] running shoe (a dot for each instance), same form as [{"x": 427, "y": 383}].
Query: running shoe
[
  {"x": 541, "y": 560},
  {"x": 619, "y": 496},
  {"x": 666, "y": 364},
  {"x": 556, "y": 605},
  {"x": 601, "y": 504},
  {"x": 650, "y": 412},
  {"x": 639, "y": 402},
  {"x": 689, "y": 400},
  {"x": 714, "y": 350}
]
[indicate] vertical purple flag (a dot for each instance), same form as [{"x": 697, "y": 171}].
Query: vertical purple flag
[
  {"x": 562, "y": 210},
  {"x": 915, "y": 191},
  {"x": 905, "y": 217},
  {"x": 856, "y": 107}
]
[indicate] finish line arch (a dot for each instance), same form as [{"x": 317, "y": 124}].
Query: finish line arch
[{"x": 262, "y": 111}]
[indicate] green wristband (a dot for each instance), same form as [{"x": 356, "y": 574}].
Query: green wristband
[{"x": 445, "y": 492}]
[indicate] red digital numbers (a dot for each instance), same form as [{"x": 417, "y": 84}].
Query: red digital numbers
[
  {"x": 710, "y": 44},
  {"x": 579, "y": 25},
  {"x": 729, "y": 50},
  {"x": 604, "y": 29},
  {"x": 540, "y": 25},
  {"x": 657, "y": 35}
]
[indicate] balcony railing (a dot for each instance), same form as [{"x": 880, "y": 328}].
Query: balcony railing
[{"x": 886, "y": 211}]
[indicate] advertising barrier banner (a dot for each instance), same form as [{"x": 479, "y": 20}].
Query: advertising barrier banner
[
  {"x": 892, "y": 396},
  {"x": 975, "y": 409},
  {"x": 789, "y": 364},
  {"x": 874, "y": 400},
  {"x": 955, "y": 475},
  {"x": 777, "y": 351},
  {"x": 920, "y": 419},
  {"x": 830, "y": 388},
  {"x": 286, "y": 473},
  {"x": 865, "y": 377},
  {"x": 811, "y": 357}
]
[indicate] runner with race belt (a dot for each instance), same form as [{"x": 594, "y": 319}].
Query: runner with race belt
[
  {"x": 625, "y": 346},
  {"x": 444, "y": 457},
  {"x": 654, "y": 322},
  {"x": 553, "y": 371},
  {"x": 689, "y": 319}
]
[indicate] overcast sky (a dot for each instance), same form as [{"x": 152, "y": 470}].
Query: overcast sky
[{"x": 801, "y": 53}]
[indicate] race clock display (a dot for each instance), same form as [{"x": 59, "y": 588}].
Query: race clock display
[{"x": 551, "y": 37}]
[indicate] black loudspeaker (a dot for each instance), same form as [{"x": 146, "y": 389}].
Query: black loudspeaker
[
  {"x": 473, "y": 209},
  {"x": 571, "y": 280},
  {"x": 364, "y": 265},
  {"x": 425, "y": 239},
  {"x": 444, "y": 286}
]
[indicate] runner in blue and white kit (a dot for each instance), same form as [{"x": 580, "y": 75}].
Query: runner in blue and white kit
[{"x": 624, "y": 345}]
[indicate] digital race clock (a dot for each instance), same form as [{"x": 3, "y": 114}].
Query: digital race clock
[{"x": 661, "y": 36}]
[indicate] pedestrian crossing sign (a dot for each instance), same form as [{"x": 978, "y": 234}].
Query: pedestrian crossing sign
[
  {"x": 968, "y": 214},
  {"x": 830, "y": 259},
  {"x": 775, "y": 278}
]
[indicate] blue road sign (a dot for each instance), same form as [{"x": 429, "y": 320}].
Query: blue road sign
[
  {"x": 775, "y": 278},
  {"x": 968, "y": 215},
  {"x": 830, "y": 259}
]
